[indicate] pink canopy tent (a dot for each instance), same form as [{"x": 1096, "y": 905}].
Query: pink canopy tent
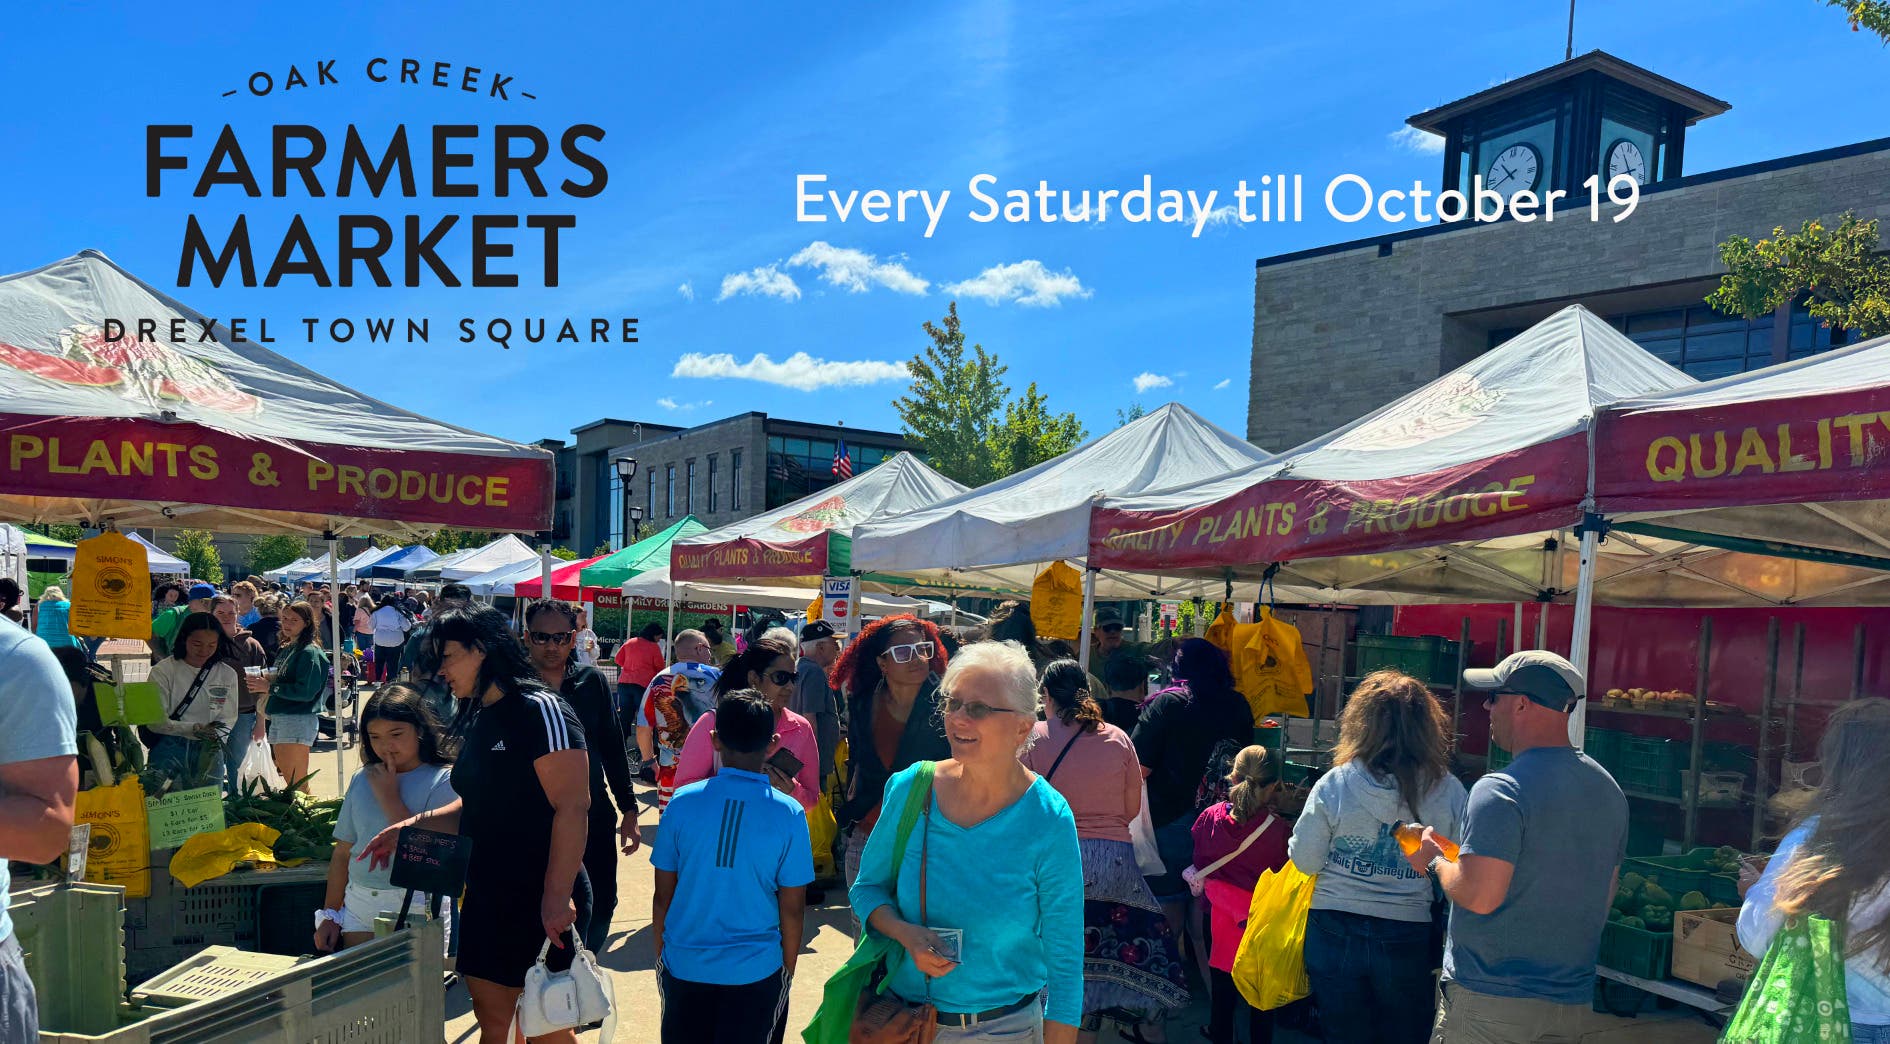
[{"x": 564, "y": 582}]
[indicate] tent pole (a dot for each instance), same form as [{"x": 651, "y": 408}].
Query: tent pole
[
  {"x": 334, "y": 665},
  {"x": 1519, "y": 630},
  {"x": 669, "y": 635},
  {"x": 1089, "y": 610},
  {"x": 546, "y": 563},
  {"x": 1584, "y": 616}
]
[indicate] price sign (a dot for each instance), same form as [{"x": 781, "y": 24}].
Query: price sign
[
  {"x": 176, "y": 818},
  {"x": 77, "y": 850},
  {"x": 430, "y": 861}
]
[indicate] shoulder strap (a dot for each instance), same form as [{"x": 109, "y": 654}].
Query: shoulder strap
[
  {"x": 190, "y": 694},
  {"x": 1061, "y": 753},
  {"x": 917, "y": 799},
  {"x": 1230, "y": 857}
]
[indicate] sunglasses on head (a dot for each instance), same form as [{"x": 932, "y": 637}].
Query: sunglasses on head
[
  {"x": 905, "y": 653},
  {"x": 974, "y": 711},
  {"x": 559, "y": 638}
]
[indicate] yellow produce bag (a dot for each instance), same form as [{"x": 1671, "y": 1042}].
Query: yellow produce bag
[
  {"x": 1270, "y": 967},
  {"x": 1056, "y": 602},
  {"x": 207, "y": 856},
  {"x": 111, "y": 588},
  {"x": 821, "y": 827},
  {"x": 121, "y": 842}
]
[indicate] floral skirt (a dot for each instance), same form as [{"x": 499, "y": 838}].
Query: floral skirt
[{"x": 1131, "y": 954}]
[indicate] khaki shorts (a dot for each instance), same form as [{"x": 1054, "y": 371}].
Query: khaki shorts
[{"x": 1467, "y": 1017}]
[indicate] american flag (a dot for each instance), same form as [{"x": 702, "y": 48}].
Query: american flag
[{"x": 842, "y": 462}]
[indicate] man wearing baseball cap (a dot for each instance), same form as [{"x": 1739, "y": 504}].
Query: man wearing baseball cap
[
  {"x": 1530, "y": 890},
  {"x": 165, "y": 625},
  {"x": 814, "y": 699}
]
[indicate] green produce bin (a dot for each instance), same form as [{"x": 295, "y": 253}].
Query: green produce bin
[
  {"x": 1636, "y": 951},
  {"x": 1427, "y": 658},
  {"x": 1693, "y": 872},
  {"x": 1648, "y": 766}
]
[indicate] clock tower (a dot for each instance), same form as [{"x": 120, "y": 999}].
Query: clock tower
[{"x": 1553, "y": 129}]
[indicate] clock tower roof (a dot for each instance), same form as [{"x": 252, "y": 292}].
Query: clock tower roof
[{"x": 1695, "y": 105}]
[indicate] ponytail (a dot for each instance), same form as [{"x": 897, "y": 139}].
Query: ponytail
[{"x": 1067, "y": 685}]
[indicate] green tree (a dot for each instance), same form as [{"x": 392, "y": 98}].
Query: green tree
[
  {"x": 273, "y": 552},
  {"x": 564, "y": 554},
  {"x": 199, "y": 551},
  {"x": 1873, "y": 15},
  {"x": 59, "y": 531},
  {"x": 956, "y": 410},
  {"x": 602, "y": 549},
  {"x": 386, "y": 540},
  {"x": 1135, "y": 412},
  {"x": 1844, "y": 281}
]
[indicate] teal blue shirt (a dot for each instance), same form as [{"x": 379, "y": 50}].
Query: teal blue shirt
[
  {"x": 37, "y": 716},
  {"x": 1013, "y": 884}
]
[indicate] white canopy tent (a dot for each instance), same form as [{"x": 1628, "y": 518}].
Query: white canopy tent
[
  {"x": 787, "y": 597},
  {"x": 13, "y": 554},
  {"x": 158, "y": 560},
  {"x": 470, "y": 562},
  {"x": 350, "y": 567},
  {"x": 501, "y": 582}
]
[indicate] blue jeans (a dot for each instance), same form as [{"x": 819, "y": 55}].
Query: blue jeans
[
  {"x": 177, "y": 756},
  {"x": 19, "y": 1005},
  {"x": 1863, "y": 1034},
  {"x": 236, "y": 747},
  {"x": 1371, "y": 977}
]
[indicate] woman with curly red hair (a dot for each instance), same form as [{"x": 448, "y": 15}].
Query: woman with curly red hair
[{"x": 890, "y": 677}]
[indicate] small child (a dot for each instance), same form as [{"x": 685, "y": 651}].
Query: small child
[
  {"x": 1239, "y": 839},
  {"x": 733, "y": 861}
]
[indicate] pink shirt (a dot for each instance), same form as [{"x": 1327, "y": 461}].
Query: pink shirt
[
  {"x": 1100, "y": 776},
  {"x": 698, "y": 761}
]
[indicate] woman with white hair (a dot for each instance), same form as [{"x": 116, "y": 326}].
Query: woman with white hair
[{"x": 988, "y": 901}]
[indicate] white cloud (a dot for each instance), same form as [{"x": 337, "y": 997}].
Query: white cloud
[
  {"x": 671, "y": 404},
  {"x": 800, "y": 370},
  {"x": 857, "y": 271},
  {"x": 1146, "y": 380},
  {"x": 1410, "y": 139},
  {"x": 688, "y": 291},
  {"x": 1227, "y": 215},
  {"x": 767, "y": 281},
  {"x": 1222, "y": 386},
  {"x": 1026, "y": 283}
]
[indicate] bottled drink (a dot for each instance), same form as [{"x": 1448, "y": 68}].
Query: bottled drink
[{"x": 1411, "y": 838}]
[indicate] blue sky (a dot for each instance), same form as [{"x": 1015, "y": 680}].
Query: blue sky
[{"x": 711, "y": 110}]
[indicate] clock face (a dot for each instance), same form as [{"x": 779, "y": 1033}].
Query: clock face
[
  {"x": 1624, "y": 157},
  {"x": 1515, "y": 169}
]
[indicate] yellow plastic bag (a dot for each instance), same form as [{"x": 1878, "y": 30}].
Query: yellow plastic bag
[
  {"x": 1056, "y": 602},
  {"x": 1270, "y": 967},
  {"x": 821, "y": 828},
  {"x": 121, "y": 839},
  {"x": 212, "y": 855}
]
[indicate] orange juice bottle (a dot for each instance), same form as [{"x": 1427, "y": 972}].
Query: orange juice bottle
[{"x": 1411, "y": 838}]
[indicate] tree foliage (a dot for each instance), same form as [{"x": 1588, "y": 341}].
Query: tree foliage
[
  {"x": 1873, "y": 15},
  {"x": 1135, "y": 412},
  {"x": 604, "y": 549},
  {"x": 958, "y": 413},
  {"x": 564, "y": 554},
  {"x": 1845, "y": 282},
  {"x": 71, "y": 534},
  {"x": 273, "y": 552},
  {"x": 199, "y": 551}
]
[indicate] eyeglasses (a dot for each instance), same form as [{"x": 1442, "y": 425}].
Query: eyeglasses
[
  {"x": 541, "y": 638},
  {"x": 778, "y": 677},
  {"x": 905, "y": 653},
  {"x": 974, "y": 711},
  {"x": 1490, "y": 700}
]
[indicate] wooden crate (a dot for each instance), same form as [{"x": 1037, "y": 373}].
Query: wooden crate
[{"x": 1706, "y": 948}]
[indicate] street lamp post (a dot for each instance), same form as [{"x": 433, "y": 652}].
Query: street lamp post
[
  {"x": 636, "y": 525},
  {"x": 626, "y": 470}
]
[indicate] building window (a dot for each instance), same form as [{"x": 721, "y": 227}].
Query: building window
[
  {"x": 798, "y": 467},
  {"x": 1706, "y": 344},
  {"x": 711, "y": 483},
  {"x": 649, "y": 502},
  {"x": 669, "y": 490},
  {"x": 689, "y": 489},
  {"x": 734, "y": 480},
  {"x": 614, "y": 528}
]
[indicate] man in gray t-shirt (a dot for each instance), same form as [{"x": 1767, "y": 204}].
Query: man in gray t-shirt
[{"x": 1529, "y": 895}]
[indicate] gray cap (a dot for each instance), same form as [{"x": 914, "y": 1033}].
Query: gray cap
[{"x": 1542, "y": 676}]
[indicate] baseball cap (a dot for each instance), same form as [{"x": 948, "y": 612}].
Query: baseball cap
[
  {"x": 202, "y": 591},
  {"x": 1107, "y": 617},
  {"x": 817, "y": 630},
  {"x": 1543, "y": 677}
]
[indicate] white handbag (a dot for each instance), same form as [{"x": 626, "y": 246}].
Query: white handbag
[{"x": 578, "y": 996}]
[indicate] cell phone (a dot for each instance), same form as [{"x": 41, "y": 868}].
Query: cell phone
[
  {"x": 785, "y": 760},
  {"x": 951, "y": 944}
]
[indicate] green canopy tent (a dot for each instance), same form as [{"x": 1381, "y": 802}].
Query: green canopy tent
[{"x": 651, "y": 552}]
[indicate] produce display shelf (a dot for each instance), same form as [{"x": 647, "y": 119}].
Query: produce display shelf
[
  {"x": 1668, "y": 799},
  {"x": 1712, "y": 714},
  {"x": 1685, "y": 992}
]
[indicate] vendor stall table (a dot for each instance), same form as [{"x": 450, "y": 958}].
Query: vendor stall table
[{"x": 1684, "y": 992}]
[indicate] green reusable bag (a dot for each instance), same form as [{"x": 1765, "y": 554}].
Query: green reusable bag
[
  {"x": 1797, "y": 994},
  {"x": 840, "y": 997}
]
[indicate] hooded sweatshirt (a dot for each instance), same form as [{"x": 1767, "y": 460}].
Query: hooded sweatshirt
[{"x": 1344, "y": 836}]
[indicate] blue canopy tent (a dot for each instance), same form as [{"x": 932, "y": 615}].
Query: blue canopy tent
[{"x": 396, "y": 566}]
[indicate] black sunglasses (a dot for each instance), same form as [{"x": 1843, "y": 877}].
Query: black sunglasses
[
  {"x": 778, "y": 677},
  {"x": 541, "y": 638}
]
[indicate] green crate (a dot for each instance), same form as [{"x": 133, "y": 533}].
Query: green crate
[
  {"x": 1646, "y": 765},
  {"x": 1647, "y": 828},
  {"x": 73, "y": 940},
  {"x": 1604, "y": 746},
  {"x": 1498, "y": 759},
  {"x": 1636, "y": 951},
  {"x": 1693, "y": 872},
  {"x": 1427, "y": 658}
]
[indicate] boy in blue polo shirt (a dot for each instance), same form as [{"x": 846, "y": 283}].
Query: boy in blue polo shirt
[{"x": 733, "y": 862}]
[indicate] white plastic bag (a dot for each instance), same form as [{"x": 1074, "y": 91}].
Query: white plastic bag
[
  {"x": 259, "y": 763},
  {"x": 1148, "y": 858}
]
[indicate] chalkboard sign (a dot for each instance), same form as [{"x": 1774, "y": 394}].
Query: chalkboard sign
[{"x": 429, "y": 861}]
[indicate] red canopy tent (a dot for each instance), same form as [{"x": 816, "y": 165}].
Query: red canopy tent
[{"x": 564, "y": 583}]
